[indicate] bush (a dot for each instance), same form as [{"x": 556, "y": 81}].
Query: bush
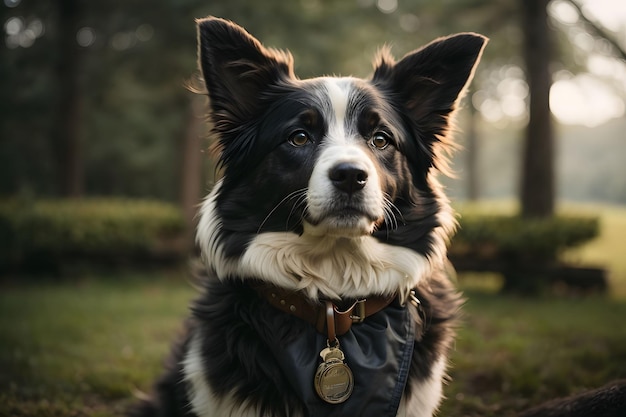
[
  {"x": 514, "y": 237},
  {"x": 526, "y": 251},
  {"x": 47, "y": 230}
]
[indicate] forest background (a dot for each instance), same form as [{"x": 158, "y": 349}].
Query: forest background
[
  {"x": 94, "y": 99},
  {"x": 94, "y": 102}
]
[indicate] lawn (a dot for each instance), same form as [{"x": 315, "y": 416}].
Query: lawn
[
  {"x": 85, "y": 346},
  {"x": 82, "y": 348},
  {"x": 514, "y": 352}
]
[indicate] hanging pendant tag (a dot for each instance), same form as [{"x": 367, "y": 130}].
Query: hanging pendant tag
[{"x": 333, "y": 380}]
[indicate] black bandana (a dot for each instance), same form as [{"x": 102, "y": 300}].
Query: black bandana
[
  {"x": 378, "y": 351},
  {"x": 268, "y": 359}
]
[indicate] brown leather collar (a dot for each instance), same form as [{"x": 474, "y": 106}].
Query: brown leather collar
[{"x": 295, "y": 303}]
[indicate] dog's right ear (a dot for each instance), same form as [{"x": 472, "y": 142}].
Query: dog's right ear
[{"x": 236, "y": 70}]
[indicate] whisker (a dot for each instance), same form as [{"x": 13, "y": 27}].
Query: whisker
[
  {"x": 390, "y": 217},
  {"x": 390, "y": 221},
  {"x": 287, "y": 198},
  {"x": 301, "y": 201},
  {"x": 397, "y": 210}
]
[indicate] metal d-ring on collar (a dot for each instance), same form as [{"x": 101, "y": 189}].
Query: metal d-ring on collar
[{"x": 356, "y": 310}]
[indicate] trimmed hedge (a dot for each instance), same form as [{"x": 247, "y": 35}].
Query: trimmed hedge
[
  {"x": 515, "y": 237},
  {"x": 62, "y": 230},
  {"x": 526, "y": 251},
  {"x": 43, "y": 230}
]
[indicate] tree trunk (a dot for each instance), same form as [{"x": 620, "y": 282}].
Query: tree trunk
[
  {"x": 66, "y": 134},
  {"x": 537, "y": 182},
  {"x": 191, "y": 168},
  {"x": 472, "y": 155}
]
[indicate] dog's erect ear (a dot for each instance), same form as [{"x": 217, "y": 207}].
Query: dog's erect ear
[
  {"x": 429, "y": 80},
  {"x": 236, "y": 69}
]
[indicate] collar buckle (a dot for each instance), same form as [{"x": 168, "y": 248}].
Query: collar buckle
[{"x": 358, "y": 312}]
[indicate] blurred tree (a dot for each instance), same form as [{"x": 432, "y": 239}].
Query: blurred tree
[
  {"x": 66, "y": 137},
  {"x": 597, "y": 29},
  {"x": 25, "y": 117},
  {"x": 537, "y": 182},
  {"x": 529, "y": 41},
  {"x": 471, "y": 134},
  {"x": 537, "y": 195},
  {"x": 191, "y": 167},
  {"x": 130, "y": 60},
  {"x": 109, "y": 76}
]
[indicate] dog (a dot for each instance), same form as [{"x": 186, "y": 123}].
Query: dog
[{"x": 325, "y": 288}]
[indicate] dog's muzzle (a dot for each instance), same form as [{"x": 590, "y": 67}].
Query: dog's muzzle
[{"x": 344, "y": 195}]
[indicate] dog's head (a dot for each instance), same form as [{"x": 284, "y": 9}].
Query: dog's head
[{"x": 327, "y": 170}]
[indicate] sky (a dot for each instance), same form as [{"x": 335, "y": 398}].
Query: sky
[{"x": 596, "y": 95}]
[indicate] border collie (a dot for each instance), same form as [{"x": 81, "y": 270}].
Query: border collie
[{"x": 323, "y": 243}]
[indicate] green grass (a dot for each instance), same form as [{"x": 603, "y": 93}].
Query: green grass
[
  {"x": 512, "y": 352},
  {"x": 81, "y": 348},
  {"x": 84, "y": 347}
]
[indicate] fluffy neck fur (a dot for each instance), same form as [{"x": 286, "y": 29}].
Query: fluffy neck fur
[{"x": 322, "y": 266}]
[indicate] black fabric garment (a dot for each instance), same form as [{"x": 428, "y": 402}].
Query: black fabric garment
[
  {"x": 378, "y": 351},
  {"x": 268, "y": 359}
]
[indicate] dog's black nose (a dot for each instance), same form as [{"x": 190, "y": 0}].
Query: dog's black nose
[{"x": 348, "y": 177}]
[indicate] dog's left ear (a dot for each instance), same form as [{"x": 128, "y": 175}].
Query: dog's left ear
[
  {"x": 237, "y": 69},
  {"x": 428, "y": 81}
]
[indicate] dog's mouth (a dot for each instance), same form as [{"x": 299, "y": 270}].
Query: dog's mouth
[
  {"x": 349, "y": 212},
  {"x": 347, "y": 221}
]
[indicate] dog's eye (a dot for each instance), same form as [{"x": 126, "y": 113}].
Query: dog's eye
[
  {"x": 299, "y": 138},
  {"x": 379, "y": 140}
]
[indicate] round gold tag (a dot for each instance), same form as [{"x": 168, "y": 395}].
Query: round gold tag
[{"x": 334, "y": 381}]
